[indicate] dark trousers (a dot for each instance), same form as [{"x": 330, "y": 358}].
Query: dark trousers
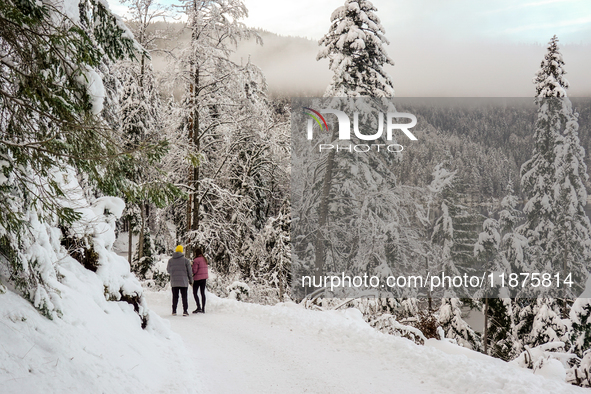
[
  {"x": 199, "y": 285},
  {"x": 175, "y": 298}
]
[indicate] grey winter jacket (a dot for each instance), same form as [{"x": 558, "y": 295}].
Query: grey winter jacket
[{"x": 180, "y": 270}]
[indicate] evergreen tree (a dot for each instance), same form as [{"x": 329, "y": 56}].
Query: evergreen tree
[
  {"x": 580, "y": 316},
  {"x": 514, "y": 248},
  {"x": 140, "y": 119},
  {"x": 454, "y": 327},
  {"x": 571, "y": 248},
  {"x": 486, "y": 250},
  {"x": 268, "y": 257},
  {"x": 500, "y": 328},
  {"x": 488, "y": 244},
  {"x": 354, "y": 47},
  {"x": 553, "y": 179},
  {"x": 358, "y": 191},
  {"x": 547, "y": 325},
  {"x": 501, "y": 250},
  {"x": 455, "y": 231},
  {"x": 51, "y": 98}
]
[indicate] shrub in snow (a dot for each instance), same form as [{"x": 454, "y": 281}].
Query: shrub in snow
[
  {"x": 580, "y": 316},
  {"x": 144, "y": 266},
  {"x": 428, "y": 324},
  {"x": 238, "y": 291},
  {"x": 157, "y": 277},
  {"x": 547, "y": 326},
  {"x": 388, "y": 324},
  {"x": 81, "y": 249},
  {"x": 581, "y": 374},
  {"x": 454, "y": 327},
  {"x": 549, "y": 359},
  {"x": 267, "y": 260}
]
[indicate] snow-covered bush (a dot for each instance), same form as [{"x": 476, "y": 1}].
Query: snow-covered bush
[
  {"x": 549, "y": 359},
  {"x": 157, "y": 277},
  {"x": 267, "y": 260},
  {"x": 581, "y": 374},
  {"x": 238, "y": 291},
  {"x": 388, "y": 324},
  {"x": 454, "y": 327}
]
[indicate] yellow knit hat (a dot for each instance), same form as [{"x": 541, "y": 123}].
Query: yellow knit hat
[{"x": 179, "y": 249}]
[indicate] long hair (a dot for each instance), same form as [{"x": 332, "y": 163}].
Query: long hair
[{"x": 199, "y": 253}]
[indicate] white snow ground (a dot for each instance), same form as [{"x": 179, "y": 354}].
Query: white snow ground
[
  {"x": 98, "y": 346},
  {"x": 247, "y": 348}
]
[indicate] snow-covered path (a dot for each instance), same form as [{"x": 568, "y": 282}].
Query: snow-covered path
[
  {"x": 242, "y": 353},
  {"x": 247, "y": 348}
]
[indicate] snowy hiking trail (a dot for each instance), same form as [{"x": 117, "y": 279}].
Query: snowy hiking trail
[
  {"x": 235, "y": 351},
  {"x": 247, "y": 348}
]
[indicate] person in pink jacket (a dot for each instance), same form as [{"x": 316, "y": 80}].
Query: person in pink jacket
[{"x": 200, "y": 275}]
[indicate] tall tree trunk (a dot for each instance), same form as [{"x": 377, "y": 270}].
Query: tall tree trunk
[
  {"x": 196, "y": 148},
  {"x": 323, "y": 213},
  {"x": 281, "y": 284},
  {"x": 190, "y": 172},
  {"x": 130, "y": 241},
  {"x": 564, "y": 266},
  {"x": 140, "y": 252},
  {"x": 485, "y": 335},
  {"x": 430, "y": 299}
]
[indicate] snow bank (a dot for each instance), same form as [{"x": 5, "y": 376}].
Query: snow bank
[
  {"x": 94, "y": 341},
  {"x": 96, "y": 347},
  {"x": 441, "y": 365}
]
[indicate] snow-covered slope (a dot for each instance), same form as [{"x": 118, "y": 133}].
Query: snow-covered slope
[
  {"x": 81, "y": 328},
  {"x": 98, "y": 346},
  {"x": 248, "y": 348}
]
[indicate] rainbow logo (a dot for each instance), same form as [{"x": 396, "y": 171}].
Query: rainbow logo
[{"x": 315, "y": 115}]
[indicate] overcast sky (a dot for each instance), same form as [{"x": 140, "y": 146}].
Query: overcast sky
[
  {"x": 521, "y": 21},
  {"x": 451, "y": 47}
]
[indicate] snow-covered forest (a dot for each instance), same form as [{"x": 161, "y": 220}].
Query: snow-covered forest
[{"x": 106, "y": 165}]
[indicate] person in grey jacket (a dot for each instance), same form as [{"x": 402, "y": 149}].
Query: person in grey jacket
[{"x": 181, "y": 275}]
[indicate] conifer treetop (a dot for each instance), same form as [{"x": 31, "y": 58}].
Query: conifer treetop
[
  {"x": 549, "y": 79},
  {"x": 354, "y": 47}
]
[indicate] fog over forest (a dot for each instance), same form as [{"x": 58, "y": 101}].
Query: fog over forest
[{"x": 422, "y": 69}]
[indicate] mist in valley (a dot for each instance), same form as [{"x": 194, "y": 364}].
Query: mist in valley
[{"x": 422, "y": 68}]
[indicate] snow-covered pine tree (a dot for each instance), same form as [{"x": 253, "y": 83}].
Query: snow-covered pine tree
[
  {"x": 357, "y": 192},
  {"x": 204, "y": 69},
  {"x": 354, "y": 47},
  {"x": 500, "y": 328},
  {"x": 140, "y": 119},
  {"x": 514, "y": 247},
  {"x": 580, "y": 336},
  {"x": 487, "y": 247},
  {"x": 454, "y": 230},
  {"x": 547, "y": 325},
  {"x": 454, "y": 327},
  {"x": 571, "y": 247},
  {"x": 53, "y": 126},
  {"x": 486, "y": 250},
  {"x": 580, "y": 316},
  {"x": 515, "y": 257},
  {"x": 497, "y": 310},
  {"x": 553, "y": 179},
  {"x": 268, "y": 258},
  {"x": 356, "y": 56}
]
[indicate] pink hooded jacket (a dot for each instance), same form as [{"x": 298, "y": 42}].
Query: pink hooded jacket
[{"x": 200, "y": 268}]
